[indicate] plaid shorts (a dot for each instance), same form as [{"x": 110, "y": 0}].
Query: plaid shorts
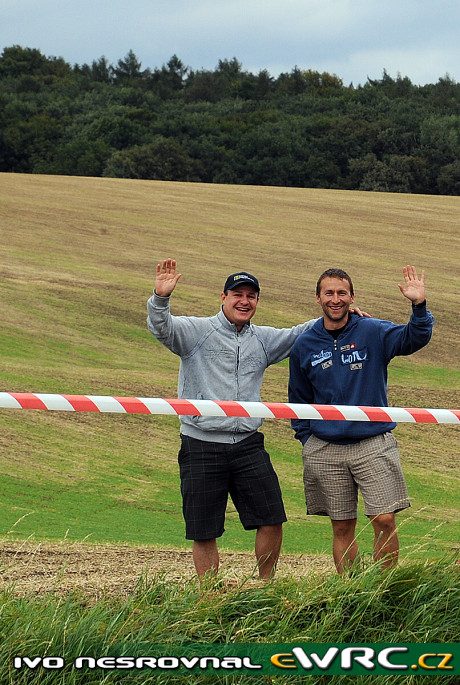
[
  {"x": 334, "y": 473},
  {"x": 210, "y": 471}
]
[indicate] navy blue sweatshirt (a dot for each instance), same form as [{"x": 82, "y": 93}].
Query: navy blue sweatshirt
[{"x": 350, "y": 370}]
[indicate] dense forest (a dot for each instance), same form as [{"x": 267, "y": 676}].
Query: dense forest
[{"x": 227, "y": 125}]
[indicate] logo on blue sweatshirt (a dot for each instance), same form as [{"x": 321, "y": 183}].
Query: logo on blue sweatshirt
[
  {"x": 354, "y": 356},
  {"x": 320, "y": 358}
]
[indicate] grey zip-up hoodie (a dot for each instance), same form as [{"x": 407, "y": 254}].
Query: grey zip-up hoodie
[{"x": 219, "y": 363}]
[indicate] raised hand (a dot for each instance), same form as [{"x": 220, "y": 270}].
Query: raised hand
[
  {"x": 414, "y": 287},
  {"x": 167, "y": 278}
]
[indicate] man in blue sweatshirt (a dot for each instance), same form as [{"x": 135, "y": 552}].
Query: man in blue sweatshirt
[
  {"x": 224, "y": 357},
  {"x": 343, "y": 359}
]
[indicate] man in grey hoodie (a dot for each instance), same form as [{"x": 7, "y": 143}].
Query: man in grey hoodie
[{"x": 223, "y": 357}]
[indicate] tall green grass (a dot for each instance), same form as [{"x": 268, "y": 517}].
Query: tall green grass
[{"x": 411, "y": 603}]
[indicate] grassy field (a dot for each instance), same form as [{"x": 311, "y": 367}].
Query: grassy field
[{"x": 78, "y": 258}]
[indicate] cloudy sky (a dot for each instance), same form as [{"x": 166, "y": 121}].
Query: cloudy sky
[{"x": 354, "y": 39}]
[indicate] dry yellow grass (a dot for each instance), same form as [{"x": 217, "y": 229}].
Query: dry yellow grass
[
  {"x": 90, "y": 229},
  {"x": 104, "y": 570}
]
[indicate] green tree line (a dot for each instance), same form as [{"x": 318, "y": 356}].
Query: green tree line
[{"x": 227, "y": 125}]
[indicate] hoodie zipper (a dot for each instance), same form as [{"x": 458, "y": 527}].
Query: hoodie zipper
[
  {"x": 337, "y": 361},
  {"x": 238, "y": 344}
]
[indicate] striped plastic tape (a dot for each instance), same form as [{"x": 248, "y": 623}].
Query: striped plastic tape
[{"x": 266, "y": 410}]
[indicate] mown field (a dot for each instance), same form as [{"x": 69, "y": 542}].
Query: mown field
[
  {"x": 92, "y": 552},
  {"x": 78, "y": 258}
]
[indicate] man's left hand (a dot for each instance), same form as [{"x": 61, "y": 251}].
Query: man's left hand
[
  {"x": 414, "y": 287},
  {"x": 356, "y": 310}
]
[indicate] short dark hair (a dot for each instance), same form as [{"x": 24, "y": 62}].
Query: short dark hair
[{"x": 334, "y": 273}]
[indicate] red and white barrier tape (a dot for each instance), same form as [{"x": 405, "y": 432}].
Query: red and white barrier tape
[{"x": 265, "y": 410}]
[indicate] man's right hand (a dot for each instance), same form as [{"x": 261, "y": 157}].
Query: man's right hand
[{"x": 167, "y": 278}]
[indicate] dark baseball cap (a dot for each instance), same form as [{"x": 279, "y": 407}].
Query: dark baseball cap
[{"x": 241, "y": 278}]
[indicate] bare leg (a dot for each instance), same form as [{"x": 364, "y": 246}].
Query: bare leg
[
  {"x": 205, "y": 557},
  {"x": 267, "y": 548},
  {"x": 386, "y": 543},
  {"x": 344, "y": 546}
]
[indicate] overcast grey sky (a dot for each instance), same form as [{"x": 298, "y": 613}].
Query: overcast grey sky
[{"x": 351, "y": 38}]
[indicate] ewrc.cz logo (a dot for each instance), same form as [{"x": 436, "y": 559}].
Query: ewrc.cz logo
[{"x": 366, "y": 657}]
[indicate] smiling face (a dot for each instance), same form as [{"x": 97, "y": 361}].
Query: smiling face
[
  {"x": 239, "y": 305},
  {"x": 335, "y": 299}
]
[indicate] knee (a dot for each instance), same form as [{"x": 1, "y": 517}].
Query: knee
[
  {"x": 343, "y": 529},
  {"x": 275, "y": 531},
  {"x": 271, "y": 535},
  {"x": 385, "y": 523},
  {"x": 205, "y": 544}
]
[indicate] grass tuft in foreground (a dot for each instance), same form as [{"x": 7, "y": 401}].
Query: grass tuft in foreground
[{"x": 415, "y": 602}]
